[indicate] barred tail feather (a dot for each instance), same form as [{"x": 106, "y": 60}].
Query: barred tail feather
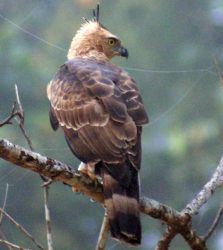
[{"x": 122, "y": 205}]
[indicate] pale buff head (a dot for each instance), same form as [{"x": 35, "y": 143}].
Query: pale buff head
[{"x": 93, "y": 40}]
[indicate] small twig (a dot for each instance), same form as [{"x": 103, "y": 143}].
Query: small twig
[
  {"x": 1, "y": 216},
  {"x": 20, "y": 122},
  {"x": 12, "y": 245},
  {"x": 47, "y": 218},
  {"x": 12, "y": 114},
  {"x": 4, "y": 202},
  {"x": 19, "y": 116},
  {"x": 216, "y": 63},
  {"x": 21, "y": 119},
  {"x": 22, "y": 229},
  {"x": 19, "y": 103},
  {"x": 103, "y": 233},
  {"x": 3, "y": 237},
  {"x": 214, "y": 224}
]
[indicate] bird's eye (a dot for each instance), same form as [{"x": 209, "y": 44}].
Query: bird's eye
[{"x": 112, "y": 41}]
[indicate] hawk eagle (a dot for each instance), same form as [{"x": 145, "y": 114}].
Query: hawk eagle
[{"x": 99, "y": 108}]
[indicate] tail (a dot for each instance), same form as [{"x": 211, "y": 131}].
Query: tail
[{"x": 122, "y": 204}]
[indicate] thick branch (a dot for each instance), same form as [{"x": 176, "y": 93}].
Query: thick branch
[
  {"x": 176, "y": 221},
  {"x": 50, "y": 168},
  {"x": 160, "y": 211},
  {"x": 59, "y": 171}
]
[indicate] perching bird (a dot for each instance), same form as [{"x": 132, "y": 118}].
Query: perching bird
[{"x": 99, "y": 108}]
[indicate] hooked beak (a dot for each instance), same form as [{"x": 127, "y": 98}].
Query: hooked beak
[{"x": 123, "y": 52}]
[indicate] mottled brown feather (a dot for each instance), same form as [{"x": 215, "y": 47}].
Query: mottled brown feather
[
  {"x": 102, "y": 103},
  {"x": 98, "y": 90}
]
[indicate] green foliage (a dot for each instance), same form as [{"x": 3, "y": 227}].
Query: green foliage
[{"x": 172, "y": 47}]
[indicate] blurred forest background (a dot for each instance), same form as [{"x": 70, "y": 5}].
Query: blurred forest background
[{"x": 172, "y": 46}]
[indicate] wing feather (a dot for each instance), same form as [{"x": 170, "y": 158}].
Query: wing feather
[{"x": 102, "y": 103}]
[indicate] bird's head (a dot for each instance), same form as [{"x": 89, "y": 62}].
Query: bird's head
[{"x": 94, "y": 40}]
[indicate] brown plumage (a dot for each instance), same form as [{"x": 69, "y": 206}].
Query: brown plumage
[{"x": 99, "y": 108}]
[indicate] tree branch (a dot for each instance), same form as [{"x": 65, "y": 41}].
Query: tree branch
[
  {"x": 191, "y": 237},
  {"x": 178, "y": 222},
  {"x": 169, "y": 234},
  {"x": 214, "y": 224},
  {"x": 14, "y": 246},
  {"x": 4, "y": 203},
  {"x": 22, "y": 229},
  {"x": 50, "y": 168},
  {"x": 3, "y": 237},
  {"x": 207, "y": 191},
  {"x": 103, "y": 233},
  {"x": 13, "y": 114},
  {"x": 47, "y": 218},
  {"x": 19, "y": 116}
]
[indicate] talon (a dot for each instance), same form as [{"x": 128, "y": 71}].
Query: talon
[{"x": 88, "y": 170}]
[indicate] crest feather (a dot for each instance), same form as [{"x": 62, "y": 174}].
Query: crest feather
[{"x": 96, "y": 14}]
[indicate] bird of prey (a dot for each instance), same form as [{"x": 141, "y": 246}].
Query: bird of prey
[{"x": 99, "y": 108}]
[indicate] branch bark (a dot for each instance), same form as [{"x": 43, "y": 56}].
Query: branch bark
[{"x": 50, "y": 168}]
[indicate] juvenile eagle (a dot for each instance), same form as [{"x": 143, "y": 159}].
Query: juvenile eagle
[{"x": 99, "y": 108}]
